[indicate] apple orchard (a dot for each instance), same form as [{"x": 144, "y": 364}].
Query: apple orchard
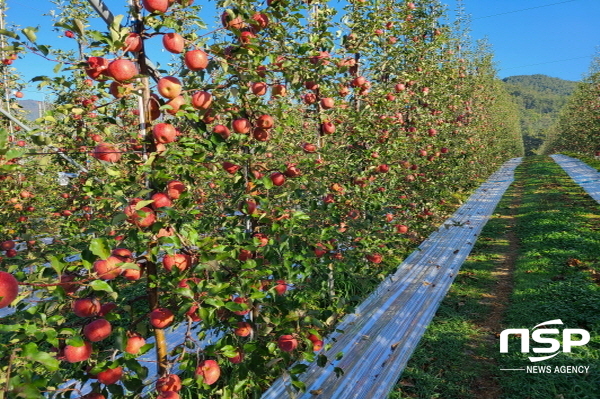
[{"x": 253, "y": 189}]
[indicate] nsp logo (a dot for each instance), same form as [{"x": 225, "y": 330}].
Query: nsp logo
[{"x": 539, "y": 337}]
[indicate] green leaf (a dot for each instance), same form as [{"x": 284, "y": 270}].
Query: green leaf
[
  {"x": 101, "y": 285},
  {"x": 100, "y": 247},
  {"x": 30, "y": 33},
  {"x": 31, "y": 352},
  {"x": 4, "y": 32}
]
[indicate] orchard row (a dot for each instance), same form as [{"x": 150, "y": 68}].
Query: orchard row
[{"x": 257, "y": 186}]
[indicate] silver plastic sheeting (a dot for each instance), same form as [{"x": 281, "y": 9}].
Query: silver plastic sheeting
[
  {"x": 380, "y": 336},
  {"x": 583, "y": 174}
]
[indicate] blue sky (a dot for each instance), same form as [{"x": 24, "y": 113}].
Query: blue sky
[{"x": 558, "y": 38}]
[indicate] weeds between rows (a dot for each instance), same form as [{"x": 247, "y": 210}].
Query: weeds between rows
[{"x": 547, "y": 229}]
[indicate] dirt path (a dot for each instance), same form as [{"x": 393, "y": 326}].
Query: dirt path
[{"x": 486, "y": 386}]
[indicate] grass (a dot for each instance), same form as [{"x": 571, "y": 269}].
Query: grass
[{"x": 546, "y": 227}]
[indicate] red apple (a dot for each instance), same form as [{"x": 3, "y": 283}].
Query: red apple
[
  {"x": 175, "y": 104},
  {"x": 402, "y": 229},
  {"x": 173, "y": 42},
  {"x": 292, "y": 171},
  {"x": 133, "y": 42},
  {"x": 259, "y": 88},
  {"x": 93, "y": 395},
  {"x": 277, "y": 178},
  {"x": 169, "y": 87},
  {"x": 309, "y": 148},
  {"x": 175, "y": 188},
  {"x": 156, "y": 5},
  {"x": 168, "y": 394},
  {"x": 259, "y": 21},
  {"x": 265, "y": 121},
  {"x": 237, "y": 358},
  {"x": 164, "y": 133},
  {"x": 278, "y": 90},
  {"x": 375, "y": 258},
  {"x": 161, "y": 200},
  {"x": 132, "y": 274},
  {"x": 134, "y": 343},
  {"x": 327, "y": 103},
  {"x": 209, "y": 370},
  {"x": 243, "y": 329},
  {"x": 74, "y": 354},
  {"x": 202, "y": 100},
  {"x": 327, "y": 128},
  {"x": 106, "y": 152},
  {"x": 107, "y": 308},
  {"x": 6, "y": 245},
  {"x": 97, "y": 67},
  {"x": 281, "y": 287},
  {"x": 122, "y": 70},
  {"x": 287, "y": 343},
  {"x": 196, "y": 60},
  {"x": 170, "y": 382},
  {"x": 107, "y": 269},
  {"x": 110, "y": 376},
  {"x": 97, "y": 330},
  {"x": 180, "y": 261},
  {"x": 241, "y": 125},
  {"x": 230, "y": 168},
  {"x": 86, "y": 307},
  {"x": 143, "y": 217},
  {"x": 222, "y": 131},
  {"x": 161, "y": 317},
  {"x": 9, "y": 289},
  {"x": 261, "y": 134}
]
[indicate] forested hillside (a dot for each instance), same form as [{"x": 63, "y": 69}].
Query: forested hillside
[{"x": 540, "y": 98}]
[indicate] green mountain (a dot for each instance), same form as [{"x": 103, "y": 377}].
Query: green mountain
[{"x": 540, "y": 98}]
